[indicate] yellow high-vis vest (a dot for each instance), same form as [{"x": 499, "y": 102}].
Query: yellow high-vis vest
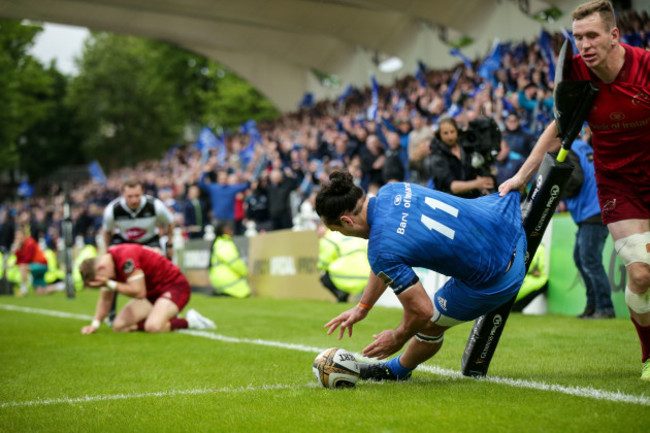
[
  {"x": 346, "y": 260},
  {"x": 228, "y": 272},
  {"x": 53, "y": 272}
]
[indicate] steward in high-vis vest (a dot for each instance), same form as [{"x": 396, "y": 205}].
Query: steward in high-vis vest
[
  {"x": 6, "y": 286},
  {"x": 343, "y": 261},
  {"x": 13, "y": 272},
  {"x": 54, "y": 273},
  {"x": 228, "y": 272}
]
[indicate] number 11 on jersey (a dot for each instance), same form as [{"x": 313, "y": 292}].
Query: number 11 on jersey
[{"x": 435, "y": 225}]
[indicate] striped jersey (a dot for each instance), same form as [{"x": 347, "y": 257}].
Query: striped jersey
[{"x": 138, "y": 226}]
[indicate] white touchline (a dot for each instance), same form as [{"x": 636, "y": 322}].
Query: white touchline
[
  {"x": 92, "y": 398},
  {"x": 579, "y": 391}
]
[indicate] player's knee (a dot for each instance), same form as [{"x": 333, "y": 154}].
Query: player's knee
[
  {"x": 120, "y": 327},
  {"x": 154, "y": 327},
  {"x": 639, "y": 277},
  {"x": 633, "y": 249},
  {"x": 638, "y": 302}
]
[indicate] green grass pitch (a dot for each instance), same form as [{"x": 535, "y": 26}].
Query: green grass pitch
[{"x": 253, "y": 374}]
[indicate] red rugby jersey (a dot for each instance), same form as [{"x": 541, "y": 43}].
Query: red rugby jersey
[
  {"x": 159, "y": 272},
  {"x": 620, "y": 117}
]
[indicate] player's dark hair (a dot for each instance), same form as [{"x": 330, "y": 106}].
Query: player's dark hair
[
  {"x": 603, "y": 7},
  {"x": 337, "y": 196},
  {"x": 132, "y": 183}
]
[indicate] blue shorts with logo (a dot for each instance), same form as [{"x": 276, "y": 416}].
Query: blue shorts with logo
[{"x": 464, "y": 303}]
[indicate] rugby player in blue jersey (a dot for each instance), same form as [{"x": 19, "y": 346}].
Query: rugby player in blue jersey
[{"x": 480, "y": 243}]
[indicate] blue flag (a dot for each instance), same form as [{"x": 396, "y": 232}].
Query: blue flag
[
  {"x": 208, "y": 140},
  {"x": 347, "y": 92},
  {"x": 374, "y": 101},
  {"x": 451, "y": 87},
  {"x": 476, "y": 90},
  {"x": 420, "y": 71},
  {"x": 96, "y": 173},
  {"x": 521, "y": 51},
  {"x": 250, "y": 128},
  {"x": 491, "y": 63},
  {"x": 420, "y": 77},
  {"x": 454, "y": 110},
  {"x": 547, "y": 53},
  {"x": 400, "y": 103},
  {"x": 507, "y": 105},
  {"x": 25, "y": 189},
  {"x": 456, "y": 52},
  {"x": 307, "y": 100},
  {"x": 568, "y": 34}
]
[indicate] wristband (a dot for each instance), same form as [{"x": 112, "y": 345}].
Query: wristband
[
  {"x": 111, "y": 284},
  {"x": 365, "y": 306},
  {"x": 95, "y": 323}
]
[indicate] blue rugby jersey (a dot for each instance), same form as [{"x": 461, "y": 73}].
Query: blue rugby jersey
[{"x": 468, "y": 239}]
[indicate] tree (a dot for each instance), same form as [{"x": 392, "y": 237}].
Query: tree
[
  {"x": 125, "y": 105},
  {"x": 25, "y": 89},
  {"x": 132, "y": 100},
  {"x": 233, "y": 101},
  {"x": 136, "y": 96},
  {"x": 53, "y": 140}
]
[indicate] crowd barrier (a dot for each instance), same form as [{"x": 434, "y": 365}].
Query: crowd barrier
[{"x": 283, "y": 264}]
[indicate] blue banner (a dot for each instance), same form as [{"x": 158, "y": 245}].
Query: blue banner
[
  {"x": 25, "y": 190},
  {"x": 374, "y": 103},
  {"x": 507, "y": 105},
  {"x": 96, "y": 173},
  {"x": 307, "y": 100},
  {"x": 250, "y": 128},
  {"x": 520, "y": 52},
  {"x": 568, "y": 34},
  {"x": 456, "y": 52},
  {"x": 420, "y": 72},
  {"x": 547, "y": 53},
  {"x": 347, "y": 92},
  {"x": 208, "y": 140},
  {"x": 451, "y": 87},
  {"x": 491, "y": 63}
]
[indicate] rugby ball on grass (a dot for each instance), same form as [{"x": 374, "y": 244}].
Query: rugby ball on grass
[{"x": 336, "y": 368}]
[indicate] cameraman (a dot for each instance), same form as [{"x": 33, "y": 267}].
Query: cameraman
[{"x": 453, "y": 172}]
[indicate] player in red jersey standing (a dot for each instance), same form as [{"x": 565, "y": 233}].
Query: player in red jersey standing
[
  {"x": 620, "y": 121},
  {"x": 158, "y": 288}
]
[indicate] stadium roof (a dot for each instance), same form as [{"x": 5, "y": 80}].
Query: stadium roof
[{"x": 275, "y": 44}]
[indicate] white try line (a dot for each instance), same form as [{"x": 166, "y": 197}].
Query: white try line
[{"x": 586, "y": 392}]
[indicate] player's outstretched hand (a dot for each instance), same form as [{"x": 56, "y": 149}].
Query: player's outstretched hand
[
  {"x": 386, "y": 343},
  {"x": 515, "y": 183},
  {"x": 89, "y": 329},
  {"x": 346, "y": 320}
]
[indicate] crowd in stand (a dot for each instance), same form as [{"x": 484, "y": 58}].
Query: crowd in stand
[{"x": 267, "y": 182}]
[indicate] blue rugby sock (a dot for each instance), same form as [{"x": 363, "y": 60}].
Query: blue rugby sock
[{"x": 397, "y": 369}]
